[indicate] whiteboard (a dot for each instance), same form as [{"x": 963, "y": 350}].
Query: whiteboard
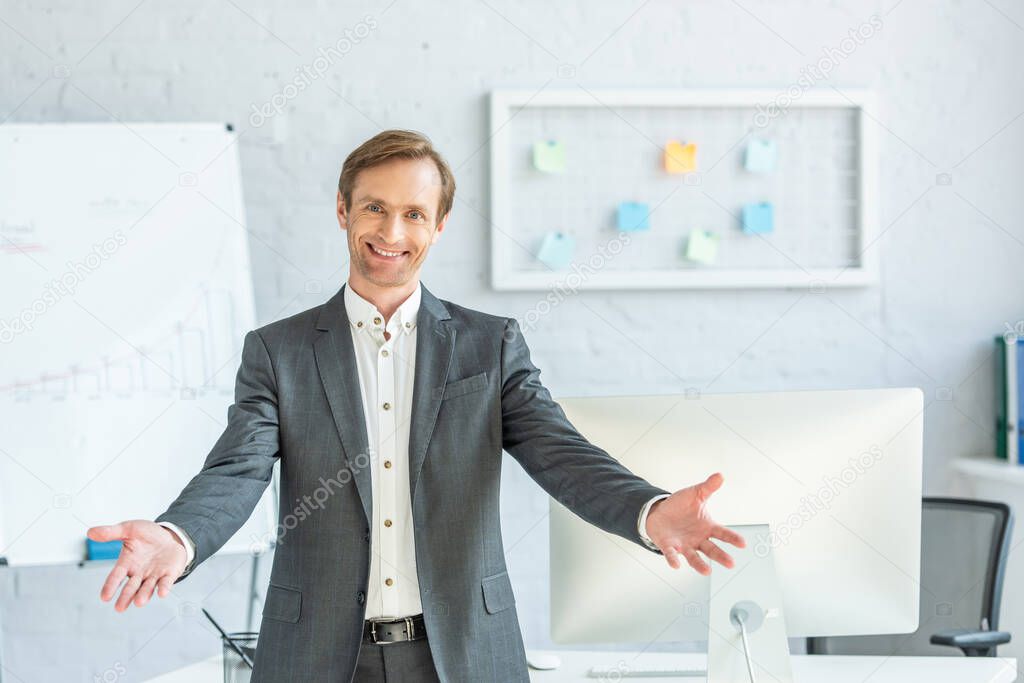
[
  {"x": 125, "y": 294},
  {"x": 823, "y": 188}
]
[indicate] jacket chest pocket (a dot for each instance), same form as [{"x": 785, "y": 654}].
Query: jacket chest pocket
[{"x": 461, "y": 387}]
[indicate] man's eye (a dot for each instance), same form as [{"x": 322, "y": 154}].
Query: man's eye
[
  {"x": 374, "y": 207},
  {"x": 416, "y": 215}
]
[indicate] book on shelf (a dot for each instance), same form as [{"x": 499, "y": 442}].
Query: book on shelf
[{"x": 1010, "y": 389}]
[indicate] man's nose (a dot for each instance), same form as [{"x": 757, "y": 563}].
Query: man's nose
[{"x": 394, "y": 230}]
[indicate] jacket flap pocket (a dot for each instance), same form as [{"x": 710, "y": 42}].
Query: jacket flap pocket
[
  {"x": 498, "y": 593},
  {"x": 282, "y": 603},
  {"x": 463, "y": 386}
]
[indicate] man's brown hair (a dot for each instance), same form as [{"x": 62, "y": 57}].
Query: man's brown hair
[{"x": 396, "y": 144}]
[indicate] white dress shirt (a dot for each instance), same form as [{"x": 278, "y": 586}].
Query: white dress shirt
[{"x": 386, "y": 369}]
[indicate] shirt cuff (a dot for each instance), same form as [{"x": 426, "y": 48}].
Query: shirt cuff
[
  {"x": 190, "y": 547},
  {"x": 641, "y": 525}
]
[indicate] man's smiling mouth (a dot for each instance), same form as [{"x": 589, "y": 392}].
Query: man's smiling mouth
[{"x": 384, "y": 253}]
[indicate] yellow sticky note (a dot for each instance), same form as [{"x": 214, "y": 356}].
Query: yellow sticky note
[{"x": 680, "y": 157}]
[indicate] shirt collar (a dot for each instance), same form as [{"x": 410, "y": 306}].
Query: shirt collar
[{"x": 364, "y": 315}]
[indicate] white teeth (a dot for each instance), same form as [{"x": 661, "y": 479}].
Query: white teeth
[{"x": 385, "y": 253}]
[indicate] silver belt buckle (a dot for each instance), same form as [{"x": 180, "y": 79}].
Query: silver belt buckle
[
  {"x": 409, "y": 630},
  {"x": 373, "y": 633}
]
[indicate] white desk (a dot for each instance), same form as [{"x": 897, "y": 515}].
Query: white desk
[{"x": 806, "y": 669}]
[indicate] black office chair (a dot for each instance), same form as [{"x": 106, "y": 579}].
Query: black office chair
[{"x": 964, "y": 546}]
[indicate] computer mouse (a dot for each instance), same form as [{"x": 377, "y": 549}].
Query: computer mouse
[{"x": 543, "y": 661}]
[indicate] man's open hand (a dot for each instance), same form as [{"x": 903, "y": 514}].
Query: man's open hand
[
  {"x": 680, "y": 525},
  {"x": 152, "y": 558}
]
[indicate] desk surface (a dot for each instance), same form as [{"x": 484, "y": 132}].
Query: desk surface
[{"x": 806, "y": 669}]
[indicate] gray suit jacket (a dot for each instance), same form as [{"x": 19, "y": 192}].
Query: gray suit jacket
[{"x": 476, "y": 392}]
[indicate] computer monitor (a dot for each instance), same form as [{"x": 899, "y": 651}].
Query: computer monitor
[{"x": 835, "y": 474}]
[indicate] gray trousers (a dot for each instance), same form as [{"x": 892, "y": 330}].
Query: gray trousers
[{"x": 405, "y": 662}]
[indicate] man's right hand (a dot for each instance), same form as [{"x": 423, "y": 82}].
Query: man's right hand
[{"x": 152, "y": 558}]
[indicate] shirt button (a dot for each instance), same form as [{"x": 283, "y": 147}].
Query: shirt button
[
  {"x": 387, "y": 464},
  {"x": 376, "y": 321},
  {"x": 384, "y": 353},
  {"x": 387, "y": 406},
  {"x": 408, "y": 325},
  {"x": 359, "y": 324},
  {"x": 360, "y": 597},
  {"x": 387, "y": 522},
  {"x": 389, "y": 582}
]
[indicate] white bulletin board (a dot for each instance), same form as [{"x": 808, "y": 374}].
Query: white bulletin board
[{"x": 822, "y": 188}]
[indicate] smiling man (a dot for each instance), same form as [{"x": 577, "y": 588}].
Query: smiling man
[{"x": 398, "y": 405}]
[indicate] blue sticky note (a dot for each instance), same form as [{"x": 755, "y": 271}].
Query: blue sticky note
[
  {"x": 556, "y": 250},
  {"x": 107, "y": 550},
  {"x": 760, "y": 156},
  {"x": 634, "y": 216},
  {"x": 758, "y": 217}
]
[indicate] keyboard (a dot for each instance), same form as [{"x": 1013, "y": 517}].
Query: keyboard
[{"x": 614, "y": 673}]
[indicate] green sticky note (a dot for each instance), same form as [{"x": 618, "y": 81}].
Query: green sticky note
[
  {"x": 702, "y": 246},
  {"x": 549, "y": 156}
]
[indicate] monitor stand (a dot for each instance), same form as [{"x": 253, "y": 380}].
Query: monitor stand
[{"x": 746, "y": 625}]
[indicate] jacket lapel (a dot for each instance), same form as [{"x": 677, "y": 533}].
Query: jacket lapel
[
  {"x": 336, "y": 363},
  {"x": 435, "y": 344}
]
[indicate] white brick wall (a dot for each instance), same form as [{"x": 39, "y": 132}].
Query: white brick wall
[{"x": 950, "y": 87}]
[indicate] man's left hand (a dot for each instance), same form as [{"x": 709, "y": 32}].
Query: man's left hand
[{"x": 680, "y": 525}]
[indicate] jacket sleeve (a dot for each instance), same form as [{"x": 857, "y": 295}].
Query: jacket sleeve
[
  {"x": 220, "y": 498},
  {"x": 579, "y": 475}
]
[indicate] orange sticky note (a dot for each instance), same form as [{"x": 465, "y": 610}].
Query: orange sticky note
[{"x": 680, "y": 157}]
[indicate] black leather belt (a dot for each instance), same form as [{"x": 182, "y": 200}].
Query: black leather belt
[{"x": 384, "y": 631}]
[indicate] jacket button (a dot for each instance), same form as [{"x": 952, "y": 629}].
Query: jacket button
[{"x": 360, "y": 597}]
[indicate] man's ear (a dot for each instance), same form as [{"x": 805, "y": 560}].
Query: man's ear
[
  {"x": 341, "y": 212},
  {"x": 440, "y": 227}
]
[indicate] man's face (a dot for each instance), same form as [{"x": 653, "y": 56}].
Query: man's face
[{"x": 392, "y": 222}]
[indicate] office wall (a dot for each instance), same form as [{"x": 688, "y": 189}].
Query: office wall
[{"x": 951, "y": 130}]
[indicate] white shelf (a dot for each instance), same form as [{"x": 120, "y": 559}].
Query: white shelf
[{"x": 990, "y": 468}]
